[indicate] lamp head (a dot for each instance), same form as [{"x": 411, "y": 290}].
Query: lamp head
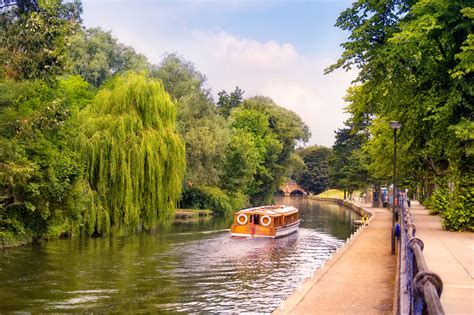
[{"x": 395, "y": 125}]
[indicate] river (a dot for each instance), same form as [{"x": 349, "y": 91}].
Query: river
[{"x": 184, "y": 267}]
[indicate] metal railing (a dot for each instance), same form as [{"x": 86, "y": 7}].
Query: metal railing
[{"x": 419, "y": 289}]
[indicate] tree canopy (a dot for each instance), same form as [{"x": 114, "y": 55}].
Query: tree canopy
[
  {"x": 415, "y": 67},
  {"x": 38, "y": 50},
  {"x": 96, "y": 56},
  {"x": 314, "y": 177},
  {"x": 94, "y": 139},
  {"x": 134, "y": 158}
]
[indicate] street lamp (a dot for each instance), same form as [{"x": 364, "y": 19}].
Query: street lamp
[{"x": 394, "y": 125}]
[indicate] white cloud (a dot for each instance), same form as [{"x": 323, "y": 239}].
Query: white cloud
[
  {"x": 249, "y": 53},
  {"x": 277, "y": 70}
]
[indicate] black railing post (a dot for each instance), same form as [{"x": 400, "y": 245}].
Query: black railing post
[
  {"x": 394, "y": 125},
  {"x": 419, "y": 289}
]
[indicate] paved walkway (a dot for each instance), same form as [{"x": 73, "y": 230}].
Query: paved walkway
[
  {"x": 451, "y": 256},
  {"x": 360, "y": 279}
]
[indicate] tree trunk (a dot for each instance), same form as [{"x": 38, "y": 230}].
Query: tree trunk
[{"x": 378, "y": 192}]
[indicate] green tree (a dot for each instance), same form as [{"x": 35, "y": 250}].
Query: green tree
[
  {"x": 40, "y": 177},
  {"x": 180, "y": 77},
  {"x": 96, "y": 56},
  {"x": 315, "y": 177},
  {"x": 257, "y": 147},
  {"x": 134, "y": 158},
  {"x": 415, "y": 67},
  {"x": 205, "y": 133},
  {"x": 227, "y": 102},
  {"x": 276, "y": 143},
  {"x": 205, "y": 149},
  {"x": 241, "y": 161},
  {"x": 34, "y": 36},
  {"x": 285, "y": 124},
  {"x": 347, "y": 170}
]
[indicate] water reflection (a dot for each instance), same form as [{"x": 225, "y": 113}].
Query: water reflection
[{"x": 182, "y": 267}]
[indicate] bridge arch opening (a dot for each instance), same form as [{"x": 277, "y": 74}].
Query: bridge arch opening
[{"x": 296, "y": 193}]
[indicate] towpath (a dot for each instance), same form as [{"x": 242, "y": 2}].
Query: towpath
[
  {"x": 451, "y": 256},
  {"x": 360, "y": 279}
]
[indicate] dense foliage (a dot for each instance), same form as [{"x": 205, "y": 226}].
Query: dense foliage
[
  {"x": 134, "y": 159},
  {"x": 40, "y": 176},
  {"x": 314, "y": 177},
  {"x": 275, "y": 132},
  {"x": 415, "y": 66},
  {"x": 205, "y": 133},
  {"x": 347, "y": 170},
  {"x": 34, "y": 36},
  {"x": 205, "y": 197},
  {"x": 96, "y": 56},
  {"x": 94, "y": 139}
]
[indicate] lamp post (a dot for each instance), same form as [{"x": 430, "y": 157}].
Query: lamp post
[{"x": 394, "y": 125}]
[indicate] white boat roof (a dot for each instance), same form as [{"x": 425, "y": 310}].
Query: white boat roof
[{"x": 270, "y": 210}]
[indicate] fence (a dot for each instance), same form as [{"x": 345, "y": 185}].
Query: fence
[{"x": 419, "y": 289}]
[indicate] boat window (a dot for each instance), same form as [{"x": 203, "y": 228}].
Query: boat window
[{"x": 255, "y": 218}]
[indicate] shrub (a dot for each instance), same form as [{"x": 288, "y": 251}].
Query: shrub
[
  {"x": 204, "y": 197},
  {"x": 440, "y": 200},
  {"x": 459, "y": 215},
  {"x": 238, "y": 201}
]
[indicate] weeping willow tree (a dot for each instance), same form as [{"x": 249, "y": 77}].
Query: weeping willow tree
[{"x": 135, "y": 160}]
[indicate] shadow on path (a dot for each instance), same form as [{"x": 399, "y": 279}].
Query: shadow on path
[{"x": 360, "y": 279}]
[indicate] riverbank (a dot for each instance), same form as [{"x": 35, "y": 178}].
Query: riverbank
[
  {"x": 341, "y": 286},
  {"x": 361, "y": 210},
  {"x": 191, "y": 213},
  {"x": 9, "y": 240}
]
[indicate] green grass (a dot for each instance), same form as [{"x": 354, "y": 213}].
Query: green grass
[
  {"x": 336, "y": 193},
  {"x": 332, "y": 193}
]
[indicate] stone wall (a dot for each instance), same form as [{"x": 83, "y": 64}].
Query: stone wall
[{"x": 344, "y": 203}]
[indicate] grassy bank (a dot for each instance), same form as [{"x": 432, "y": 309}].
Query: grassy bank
[
  {"x": 9, "y": 239},
  {"x": 332, "y": 193},
  {"x": 192, "y": 213}
]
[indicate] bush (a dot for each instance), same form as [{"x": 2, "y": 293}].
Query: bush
[
  {"x": 12, "y": 239},
  {"x": 238, "y": 201},
  {"x": 204, "y": 197},
  {"x": 459, "y": 216},
  {"x": 439, "y": 201},
  {"x": 456, "y": 208}
]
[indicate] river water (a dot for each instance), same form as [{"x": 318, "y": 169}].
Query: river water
[{"x": 184, "y": 267}]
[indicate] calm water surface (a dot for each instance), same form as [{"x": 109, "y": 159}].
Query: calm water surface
[{"x": 192, "y": 266}]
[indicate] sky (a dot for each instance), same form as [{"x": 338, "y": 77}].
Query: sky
[{"x": 274, "y": 48}]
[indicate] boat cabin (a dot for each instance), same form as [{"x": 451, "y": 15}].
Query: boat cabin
[{"x": 266, "y": 221}]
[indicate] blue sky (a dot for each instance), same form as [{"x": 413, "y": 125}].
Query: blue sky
[{"x": 274, "y": 48}]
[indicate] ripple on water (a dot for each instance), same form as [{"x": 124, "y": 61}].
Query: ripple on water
[
  {"x": 180, "y": 270},
  {"x": 247, "y": 274}
]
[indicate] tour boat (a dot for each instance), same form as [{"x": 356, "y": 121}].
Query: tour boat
[{"x": 266, "y": 221}]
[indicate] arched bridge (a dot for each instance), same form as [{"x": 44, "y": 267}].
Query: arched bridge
[{"x": 292, "y": 188}]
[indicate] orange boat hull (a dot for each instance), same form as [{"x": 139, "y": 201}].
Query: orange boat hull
[{"x": 263, "y": 231}]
